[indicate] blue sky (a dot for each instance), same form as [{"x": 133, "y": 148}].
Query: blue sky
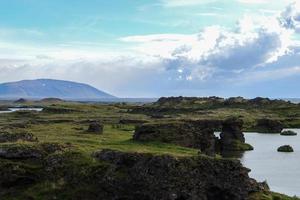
[{"x": 151, "y": 48}]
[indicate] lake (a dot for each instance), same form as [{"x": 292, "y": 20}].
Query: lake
[
  {"x": 280, "y": 170},
  {"x": 21, "y": 109}
]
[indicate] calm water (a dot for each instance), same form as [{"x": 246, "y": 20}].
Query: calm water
[
  {"x": 19, "y": 109},
  {"x": 281, "y": 170}
]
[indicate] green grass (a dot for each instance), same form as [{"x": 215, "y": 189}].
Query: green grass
[
  {"x": 112, "y": 138},
  {"x": 271, "y": 196}
]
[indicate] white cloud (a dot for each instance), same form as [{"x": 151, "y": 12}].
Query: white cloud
[
  {"x": 215, "y": 50},
  {"x": 291, "y": 16}
]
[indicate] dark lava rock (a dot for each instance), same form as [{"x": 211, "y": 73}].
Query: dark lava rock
[
  {"x": 288, "y": 133},
  {"x": 20, "y": 152},
  {"x": 14, "y": 175},
  {"x": 195, "y": 134},
  {"x": 285, "y": 148},
  {"x": 25, "y": 151},
  {"x": 57, "y": 110},
  {"x": 14, "y": 137},
  {"x": 96, "y": 127},
  {"x": 232, "y": 137},
  {"x": 268, "y": 126},
  {"x": 149, "y": 177},
  {"x": 51, "y": 100},
  {"x": 50, "y": 148}
]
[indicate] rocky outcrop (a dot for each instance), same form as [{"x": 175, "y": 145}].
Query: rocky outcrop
[
  {"x": 232, "y": 137},
  {"x": 194, "y": 134},
  {"x": 268, "y": 126},
  {"x": 19, "y": 152},
  {"x": 149, "y": 177},
  {"x": 289, "y": 133},
  {"x": 96, "y": 127},
  {"x": 14, "y": 137},
  {"x": 25, "y": 151},
  {"x": 56, "y": 110}
]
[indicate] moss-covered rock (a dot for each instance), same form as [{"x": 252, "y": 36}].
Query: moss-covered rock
[
  {"x": 285, "y": 148},
  {"x": 232, "y": 137},
  {"x": 14, "y": 137},
  {"x": 195, "y": 134},
  {"x": 96, "y": 127},
  {"x": 268, "y": 126},
  {"x": 29, "y": 151},
  {"x": 236, "y": 145},
  {"x": 288, "y": 133}
]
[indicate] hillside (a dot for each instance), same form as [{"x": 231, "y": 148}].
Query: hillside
[{"x": 46, "y": 88}]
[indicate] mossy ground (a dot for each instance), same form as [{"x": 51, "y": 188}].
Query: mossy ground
[{"x": 271, "y": 196}]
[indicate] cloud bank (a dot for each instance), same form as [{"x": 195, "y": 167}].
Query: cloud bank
[{"x": 210, "y": 62}]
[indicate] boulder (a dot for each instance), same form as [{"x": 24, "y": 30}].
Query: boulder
[
  {"x": 285, "y": 148},
  {"x": 96, "y": 127},
  {"x": 268, "y": 126},
  {"x": 232, "y": 137}
]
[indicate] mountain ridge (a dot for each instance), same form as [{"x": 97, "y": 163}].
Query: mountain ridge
[{"x": 50, "y": 88}]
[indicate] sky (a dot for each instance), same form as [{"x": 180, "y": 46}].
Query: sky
[{"x": 153, "y": 48}]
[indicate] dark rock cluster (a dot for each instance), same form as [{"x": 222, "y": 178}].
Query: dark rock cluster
[
  {"x": 195, "y": 134},
  {"x": 14, "y": 137}
]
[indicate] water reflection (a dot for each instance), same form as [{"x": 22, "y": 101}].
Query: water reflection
[{"x": 280, "y": 170}]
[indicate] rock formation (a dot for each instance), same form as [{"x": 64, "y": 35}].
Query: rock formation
[
  {"x": 232, "y": 137},
  {"x": 268, "y": 126},
  {"x": 96, "y": 127},
  {"x": 195, "y": 134},
  {"x": 119, "y": 175}
]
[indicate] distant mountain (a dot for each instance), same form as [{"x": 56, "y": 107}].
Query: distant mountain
[{"x": 49, "y": 88}]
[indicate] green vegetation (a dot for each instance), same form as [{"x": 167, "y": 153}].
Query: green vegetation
[
  {"x": 239, "y": 146},
  {"x": 271, "y": 196}
]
